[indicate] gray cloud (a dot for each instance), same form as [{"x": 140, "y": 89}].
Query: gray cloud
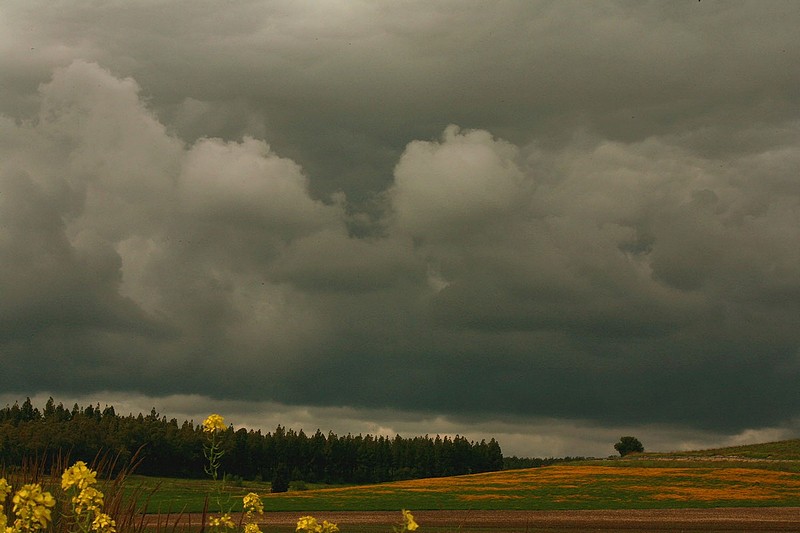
[{"x": 568, "y": 216}]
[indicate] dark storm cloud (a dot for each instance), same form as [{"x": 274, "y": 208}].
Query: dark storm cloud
[
  {"x": 332, "y": 84},
  {"x": 527, "y": 211}
]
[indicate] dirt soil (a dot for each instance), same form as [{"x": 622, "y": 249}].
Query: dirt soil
[{"x": 727, "y": 519}]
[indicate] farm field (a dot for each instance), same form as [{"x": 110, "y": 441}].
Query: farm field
[
  {"x": 563, "y": 487},
  {"x": 754, "y": 489}
]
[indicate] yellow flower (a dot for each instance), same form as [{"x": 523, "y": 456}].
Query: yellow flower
[
  {"x": 224, "y": 521},
  {"x": 89, "y": 499},
  {"x": 308, "y": 524},
  {"x": 408, "y": 521},
  {"x": 32, "y": 507},
  {"x": 78, "y": 475},
  {"x": 252, "y": 503},
  {"x": 214, "y": 423},
  {"x": 328, "y": 527},
  {"x": 5, "y": 490},
  {"x": 104, "y": 524},
  {"x": 252, "y": 528}
]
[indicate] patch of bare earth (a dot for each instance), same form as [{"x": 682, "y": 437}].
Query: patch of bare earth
[{"x": 721, "y": 519}]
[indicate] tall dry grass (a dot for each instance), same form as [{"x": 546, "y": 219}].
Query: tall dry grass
[{"x": 126, "y": 504}]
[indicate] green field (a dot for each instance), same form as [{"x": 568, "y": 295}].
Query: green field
[{"x": 761, "y": 475}]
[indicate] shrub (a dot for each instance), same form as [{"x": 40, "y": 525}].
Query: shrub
[{"x": 280, "y": 483}]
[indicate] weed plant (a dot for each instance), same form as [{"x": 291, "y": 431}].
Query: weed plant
[{"x": 60, "y": 499}]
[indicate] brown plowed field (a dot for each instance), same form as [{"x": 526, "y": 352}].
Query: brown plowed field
[{"x": 719, "y": 520}]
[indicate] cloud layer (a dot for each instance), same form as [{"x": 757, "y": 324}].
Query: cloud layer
[{"x": 359, "y": 206}]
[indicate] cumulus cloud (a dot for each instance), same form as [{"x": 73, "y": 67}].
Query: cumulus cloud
[
  {"x": 457, "y": 186},
  {"x": 115, "y": 224}
]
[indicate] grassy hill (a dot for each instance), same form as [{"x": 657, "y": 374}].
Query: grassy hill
[
  {"x": 780, "y": 455},
  {"x": 785, "y": 450},
  {"x": 742, "y": 476},
  {"x": 566, "y": 487}
]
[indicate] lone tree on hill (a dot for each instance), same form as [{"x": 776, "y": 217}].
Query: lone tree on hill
[{"x": 628, "y": 445}]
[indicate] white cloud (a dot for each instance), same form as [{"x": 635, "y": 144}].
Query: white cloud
[
  {"x": 457, "y": 185},
  {"x": 220, "y": 180}
]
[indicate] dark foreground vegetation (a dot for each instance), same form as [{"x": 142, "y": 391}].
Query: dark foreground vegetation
[{"x": 173, "y": 449}]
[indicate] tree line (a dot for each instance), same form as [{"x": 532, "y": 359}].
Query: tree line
[
  {"x": 173, "y": 449},
  {"x": 514, "y": 462}
]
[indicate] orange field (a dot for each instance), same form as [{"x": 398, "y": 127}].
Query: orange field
[{"x": 570, "y": 487}]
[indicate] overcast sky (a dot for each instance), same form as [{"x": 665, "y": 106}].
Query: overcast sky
[{"x": 549, "y": 222}]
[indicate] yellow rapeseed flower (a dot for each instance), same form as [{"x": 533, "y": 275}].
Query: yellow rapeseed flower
[
  {"x": 213, "y": 423},
  {"x": 409, "y": 524},
  {"x": 103, "y": 523},
  {"x": 5, "y": 490},
  {"x": 78, "y": 475},
  {"x": 224, "y": 521},
  {"x": 308, "y": 524},
  {"x": 253, "y": 504},
  {"x": 32, "y": 507},
  {"x": 89, "y": 499},
  {"x": 328, "y": 527},
  {"x": 252, "y": 528}
]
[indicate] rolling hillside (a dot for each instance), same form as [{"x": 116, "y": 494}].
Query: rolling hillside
[
  {"x": 756, "y": 475},
  {"x": 785, "y": 450},
  {"x": 761, "y": 475}
]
